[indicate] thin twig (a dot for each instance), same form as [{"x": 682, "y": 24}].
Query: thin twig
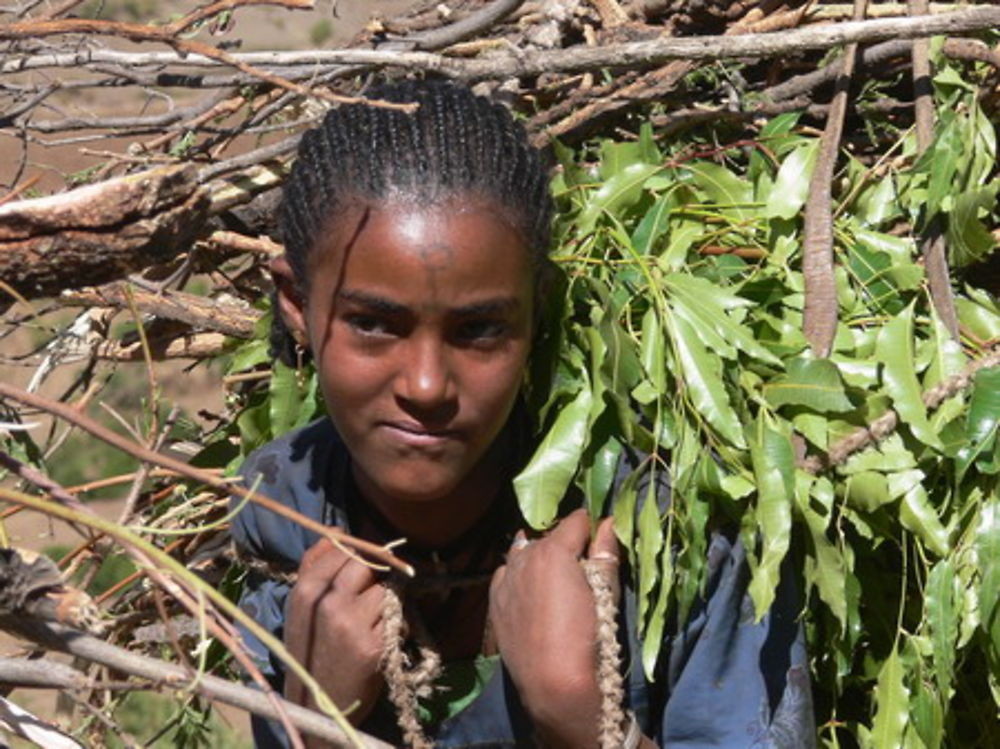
[{"x": 335, "y": 535}]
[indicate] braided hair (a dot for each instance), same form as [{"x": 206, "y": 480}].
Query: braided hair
[{"x": 454, "y": 144}]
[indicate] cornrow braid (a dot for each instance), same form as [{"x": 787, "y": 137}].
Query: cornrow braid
[{"x": 454, "y": 144}]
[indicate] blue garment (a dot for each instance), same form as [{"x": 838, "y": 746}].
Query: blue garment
[{"x": 724, "y": 681}]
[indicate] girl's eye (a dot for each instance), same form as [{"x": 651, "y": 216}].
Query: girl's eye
[
  {"x": 368, "y": 325},
  {"x": 484, "y": 331}
]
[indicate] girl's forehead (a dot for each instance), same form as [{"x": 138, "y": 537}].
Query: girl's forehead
[
  {"x": 414, "y": 218},
  {"x": 401, "y": 242}
]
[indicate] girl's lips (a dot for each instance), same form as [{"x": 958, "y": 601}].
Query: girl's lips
[{"x": 417, "y": 435}]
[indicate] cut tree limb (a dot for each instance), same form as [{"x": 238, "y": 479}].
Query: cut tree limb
[
  {"x": 500, "y": 65},
  {"x": 819, "y": 316},
  {"x": 99, "y": 232},
  {"x": 933, "y": 244},
  {"x": 92, "y": 649},
  {"x": 197, "y": 311}
]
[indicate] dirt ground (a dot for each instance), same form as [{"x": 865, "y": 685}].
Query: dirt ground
[{"x": 201, "y": 388}]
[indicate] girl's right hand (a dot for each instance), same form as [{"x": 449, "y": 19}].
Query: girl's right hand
[{"x": 333, "y": 628}]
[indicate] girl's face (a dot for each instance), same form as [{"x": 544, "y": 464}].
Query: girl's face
[{"x": 420, "y": 322}]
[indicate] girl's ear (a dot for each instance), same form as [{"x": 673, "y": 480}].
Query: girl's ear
[{"x": 291, "y": 306}]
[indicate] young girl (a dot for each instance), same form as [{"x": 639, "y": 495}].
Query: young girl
[{"x": 415, "y": 257}]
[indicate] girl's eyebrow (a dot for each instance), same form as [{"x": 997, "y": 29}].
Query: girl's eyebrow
[
  {"x": 373, "y": 302},
  {"x": 485, "y": 308},
  {"x": 498, "y": 306}
]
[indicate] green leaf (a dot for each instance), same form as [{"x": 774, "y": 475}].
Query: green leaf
[
  {"x": 894, "y": 349},
  {"x": 623, "y": 189},
  {"x": 878, "y": 203},
  {"x": 942, "y": 156},
  {"x": 867, "y": 490},
  {"x": 918, "y": 517},
  {"x": 249, "y": 355},
  {"x": 829, "y": 574},
  {"x": 623, "y": 509},
  {"x": 982, "y": 418},
  {"x": 653, "y": 225},
  {"x": 705, "y": 305},
  {"x": 969, "y": 240},
  {"x": 981, "y": 321},
  {"x": 651, "y": 351},
  {"x": 599, "y": 475},
  {"x": 774, "y": 470},
  {"x": 652, "y": 640},
  {"x": 888, "y": 455},
  {"x": 813, "y": 383},
  {"x": 543, "y": 482},
  {"x": 701, "y": 374},
  {"x": 721, "y": 186},
  {"x": 650, "y": 546},
  {"x": 874, "y": 269},
  {"x": 286, "y": 398},
  {"x": 892, "y": 698},
  {"x": 941, "y": 616},
  {"x": 791, "y": 186},
  {"x": 987, "y": 545}
]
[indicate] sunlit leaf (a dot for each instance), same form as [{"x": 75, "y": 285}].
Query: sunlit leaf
[
  {"x": 982, "y": 418},
  {"x": 621, "y": 190},
  {"x": 542, "y": 484},
  {"x": 917, "y": 516},
  {"x": 774, "y": 471},
  {"x": 968, "y": 238},
  {"x": 701, "y": 373},
  {"x": 895, "y": 351},
  {"x": 813, "y": 383},
  {"x": 892, "y": 698},
  {"x": 988, "y": 559},
  {"x": 942, "y": 622},
  {"x": 791, "y": 186}
]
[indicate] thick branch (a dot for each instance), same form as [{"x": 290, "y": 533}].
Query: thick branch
[
  {"x": 197, "y": 311},
  {"x": 641, "y": 54},
  {"x": 99, "y": 232},
  {"x": 819, "y": 315},
  {"x": 102, "y": 232},
  {"x": 934, "y": 246},
  {"x": 67, "y": 640}
]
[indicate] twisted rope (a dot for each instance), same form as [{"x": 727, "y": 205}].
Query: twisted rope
[
  {"x": 407, "y": 682},
  {"x": 612, "y": 720}
]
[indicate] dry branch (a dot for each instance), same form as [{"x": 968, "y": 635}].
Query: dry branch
[
  {"x": 93, "y": 650},
  {"x": 819, "y": 315},
  {"x": 576, "y": 59},
  {"x": 99, "y": 232},
  {"x": 231, "y": 318}
]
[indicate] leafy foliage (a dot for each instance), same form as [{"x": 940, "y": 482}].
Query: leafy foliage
[{"x": 680, "y": 337}]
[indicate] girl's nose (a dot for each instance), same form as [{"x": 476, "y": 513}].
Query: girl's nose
[{"x": 426, "y": 381}]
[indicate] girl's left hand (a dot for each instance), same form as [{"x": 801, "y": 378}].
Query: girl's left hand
[{"x": 543, "y": 617}]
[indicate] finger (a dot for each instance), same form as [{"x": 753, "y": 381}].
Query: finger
[
  {"x": 572, "y": 533},
  {"x": 354, "y": 577},
  {"x": 322, "y": 560},
  {"x": 605, "y": 547},
  {"x": 496, "y": 582},
  {"x": 370, "y": 605},
  {"x": 604, "y": 555},
  {"x": 520, "y": 542}
]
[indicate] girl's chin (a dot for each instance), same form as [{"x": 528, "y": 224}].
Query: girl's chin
[{"x": 411, "y": 487}]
